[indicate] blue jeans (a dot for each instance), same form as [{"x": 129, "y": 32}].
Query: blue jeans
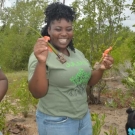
[{"x": 50, "y": 125}]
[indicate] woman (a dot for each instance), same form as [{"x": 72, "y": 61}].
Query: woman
[
  {"x": 3, "y": 85},
  {"x": 61, "y": 86}
]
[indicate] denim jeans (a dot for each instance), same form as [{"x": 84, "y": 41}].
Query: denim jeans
[{"x": 50, "y": 125}]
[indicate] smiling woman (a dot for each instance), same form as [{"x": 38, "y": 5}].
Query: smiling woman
[
  {"x": 61, "y": 87},
  {"x": 61, "y": 34}
]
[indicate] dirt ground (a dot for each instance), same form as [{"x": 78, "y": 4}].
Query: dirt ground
[{"x": 114, "y": 118}]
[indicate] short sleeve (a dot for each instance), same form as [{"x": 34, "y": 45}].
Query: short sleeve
[{"x": 32, "y": 65}]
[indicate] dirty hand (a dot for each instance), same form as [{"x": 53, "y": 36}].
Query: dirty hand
[
  {"x": 41, "y": 50},
  {"x": 107, "y": 62}
]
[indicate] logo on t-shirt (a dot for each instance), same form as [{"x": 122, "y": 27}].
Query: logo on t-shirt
[{"x": 80, "y": 80}]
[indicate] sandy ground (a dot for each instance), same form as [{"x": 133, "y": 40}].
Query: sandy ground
[{"x": 114, "y": 118}]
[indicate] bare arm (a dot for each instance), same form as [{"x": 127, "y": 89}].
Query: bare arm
[
  {"x": 38, "y": 84},
  {"x": 3, "y": 85},
  {"x": 95, "y": 77}
]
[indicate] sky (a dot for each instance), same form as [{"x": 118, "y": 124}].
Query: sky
[{"x": 129, "y": 22}]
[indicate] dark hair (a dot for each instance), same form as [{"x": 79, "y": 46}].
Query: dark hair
[{"x": 56, "y": 11}]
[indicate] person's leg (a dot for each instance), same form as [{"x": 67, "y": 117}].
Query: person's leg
[
  {"x": 49, "y": 125},
  {"x": 86, "y": 125}
]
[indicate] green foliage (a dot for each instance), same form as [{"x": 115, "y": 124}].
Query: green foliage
[
  {"x": 111, "y": 103},
  {"x": 94, "y": 30},
  {"x": 119, "y": 98},
  {"x": 25, "y": 100},
  {"x": 112, "y": 131},
  {"x": 6, "y": 107},
  {"x": 98, "y": 123},
  {"x": 131, "y": 45},
  {"x": 121, "y": 53},
  {"x": 130, "y": 80},
  {"x": 132, "y": 8},
  {"x": 17, "y": 40},
  {"x": 19, "y": 99}
]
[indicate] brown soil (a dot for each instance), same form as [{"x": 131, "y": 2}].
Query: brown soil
[
  {"x": 114, "y": 118},
  {"x": 28, "y": 124}
]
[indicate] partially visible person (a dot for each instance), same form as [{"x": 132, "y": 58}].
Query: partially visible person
[
  {"x": 3, "y": 85},
  {"x": 61, "y": 85},
  {"x": 130, "y": 124}
]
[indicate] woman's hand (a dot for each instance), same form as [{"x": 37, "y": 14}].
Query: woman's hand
[
  {"x": 97, "y": 74},
  {"x": 41, "y": 50},
  {"x": 106, "y": 63}
]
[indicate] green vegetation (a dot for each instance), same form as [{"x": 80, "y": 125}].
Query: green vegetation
[
  {"x": 18, "y": 90},
  {"x": 98, "y": 28},
  {"x": 99, "y": 31},
  {"x": 18, "y": 99}
]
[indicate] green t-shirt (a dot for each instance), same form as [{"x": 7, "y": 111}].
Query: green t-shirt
[{"x": 66, "y": 94}]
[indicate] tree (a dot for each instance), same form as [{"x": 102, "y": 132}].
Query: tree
[
  {"x": 132, "y": 8},
  {"x": 99, "y": 21},
  {"x": 2, "y": 3},
  {"x": 17, "y": 37},
  {"x": 97, "y": 27}
]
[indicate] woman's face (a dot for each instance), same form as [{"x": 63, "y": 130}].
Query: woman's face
[{"x": 61, "y": 33}]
